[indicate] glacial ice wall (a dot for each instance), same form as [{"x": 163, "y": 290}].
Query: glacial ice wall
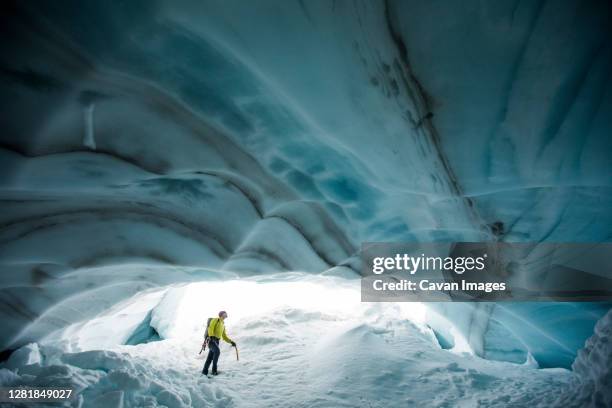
[
  {"x": 277, "y": 136},
  {"x": 593, "y": 367}
]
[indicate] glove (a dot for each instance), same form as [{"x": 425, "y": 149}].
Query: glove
[{"x": 233, "y": 344}]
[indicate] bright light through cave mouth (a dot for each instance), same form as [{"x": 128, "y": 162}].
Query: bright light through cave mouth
[
  {"x": 252, "y": 298},
  {"x": 180, "y": 312}
]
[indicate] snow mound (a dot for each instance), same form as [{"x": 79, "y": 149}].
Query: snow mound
[{"x": 290, "y": 356}]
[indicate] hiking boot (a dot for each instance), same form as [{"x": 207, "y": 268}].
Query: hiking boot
[{"x": 215, "y": 373}]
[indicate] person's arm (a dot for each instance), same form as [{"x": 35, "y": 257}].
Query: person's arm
[{"x": 227, "y": 339}]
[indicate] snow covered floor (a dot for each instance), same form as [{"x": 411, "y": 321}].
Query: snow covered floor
[{"x": 311, "y": 354}]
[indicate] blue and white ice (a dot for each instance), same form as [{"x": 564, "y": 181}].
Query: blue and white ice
[{"x": 151, "y": 145}]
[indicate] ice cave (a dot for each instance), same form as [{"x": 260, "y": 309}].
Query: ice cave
[{"x": 164, "y": 160}]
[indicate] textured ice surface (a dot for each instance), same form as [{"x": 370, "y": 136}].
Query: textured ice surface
[
  {"x": 593, "y": 367},
  {"x": 153, "y": 144}
]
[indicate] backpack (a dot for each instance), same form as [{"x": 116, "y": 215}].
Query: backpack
[
  {"x": 205, "y": 343},
  {"x": 206, "y": 330},
  {"x": 207, "y": 326}
]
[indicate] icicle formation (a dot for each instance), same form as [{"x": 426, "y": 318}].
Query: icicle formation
[
  {"x": 88, "y": 139},
  {"x": 88, "y": 100}
]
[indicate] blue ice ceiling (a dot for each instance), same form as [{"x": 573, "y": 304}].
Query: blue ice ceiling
[{"x": 279, "y": 135}]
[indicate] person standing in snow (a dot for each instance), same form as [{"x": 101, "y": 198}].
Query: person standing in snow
[{"x": 216, "y": 331}]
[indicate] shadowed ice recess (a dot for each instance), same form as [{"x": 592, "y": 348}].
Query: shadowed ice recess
[{"x": 153, "y": 149}]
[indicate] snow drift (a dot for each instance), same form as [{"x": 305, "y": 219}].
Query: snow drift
[{"x": 336, "y": 351}]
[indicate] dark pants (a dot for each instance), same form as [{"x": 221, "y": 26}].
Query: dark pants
[{"x": 213, "y": 355}]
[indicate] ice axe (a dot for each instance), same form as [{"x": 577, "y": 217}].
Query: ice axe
[
  {"x": 237, "y": 359},
  {"x": 203, "y": 346}
]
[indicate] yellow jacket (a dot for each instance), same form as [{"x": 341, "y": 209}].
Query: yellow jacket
[{"x": 217, "y": 329}]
